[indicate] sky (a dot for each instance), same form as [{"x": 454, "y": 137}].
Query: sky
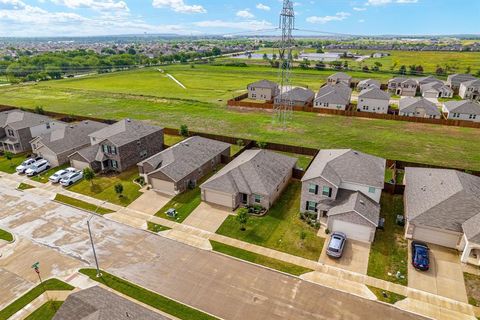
[{"x": 33, "y": 18}]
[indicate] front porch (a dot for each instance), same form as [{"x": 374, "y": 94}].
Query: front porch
[{"x": 11, "y": 145}]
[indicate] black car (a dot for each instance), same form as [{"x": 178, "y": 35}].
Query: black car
[{"x": 420, "y": 256}]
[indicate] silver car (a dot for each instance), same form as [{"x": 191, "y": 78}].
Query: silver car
[{"x": 336, "y": 244}]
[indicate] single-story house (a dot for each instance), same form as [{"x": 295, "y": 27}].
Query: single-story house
[
  {"x": 343, "y": 188},
  {"x": 255, "y": 177},
  {"x": 300, "y": 97},
  {"x": 403, "y": 87},
  {"x": 181, "y": 166},
  {"x": 418, "y": 107},
  {"x": 455, "y": 80},
  {"x": 470, "y": 90},
  {"x": 367, "y": 84},
  {"x": 436, "y": 90},
  {"x": 462, "y": 110},
  {"x": 263, "y": 90},
  {"x": 443, "y": 207},
  {"x": 340, "y": 77},
  {"x": 55, "y": 146},
  {"x": 373, "y": 100},
  {"x": 333, "y": 96}
]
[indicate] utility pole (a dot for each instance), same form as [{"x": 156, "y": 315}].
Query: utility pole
[{"x": 99, "y": 274}]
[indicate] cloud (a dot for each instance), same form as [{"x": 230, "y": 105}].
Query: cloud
[
  {"x": 178, "y": 6},
  {"x": 240, "y": 25},
  {"x": 263, "y": 7},
  {"x": 246, "y": 14},
  {"x": 359, "y": 9},
  {"x": 339, "y": 16},
  {"x": 93, "y": 4},
  {"x": 384, "y": 2}
]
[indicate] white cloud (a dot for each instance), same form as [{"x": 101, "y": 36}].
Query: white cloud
[
  {"x": 246, "y": 14},
  {"x": 359, "y": 9},
  {"x": 361, "y": 20},
  {"x": 339, "y": 16},
  {"x": 384, "y": 2},
  {"x": 263, "y": 7},
  {"x": 179, "y": 6},
  {"x": 240, "y": 25},
  {"x": 94, "y": 4}
]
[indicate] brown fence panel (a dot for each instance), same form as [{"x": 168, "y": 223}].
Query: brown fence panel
[{"x": 297, "y": 174}]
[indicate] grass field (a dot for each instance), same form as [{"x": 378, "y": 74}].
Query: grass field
[
  {"x": 141, "y": 95},
  {"x": 81, "y": 204}
]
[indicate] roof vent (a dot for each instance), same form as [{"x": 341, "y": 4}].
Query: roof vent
[
  {"x": 424, "y": 188},
  {"x": 362, "y": 202}
]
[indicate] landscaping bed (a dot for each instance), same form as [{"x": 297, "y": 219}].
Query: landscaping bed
[
  {"x": 5, "y": 235},
  {"x": 25, "y": 186},
  {"x": 82, "y": 204},
  {"x": 472, "y": 284}
]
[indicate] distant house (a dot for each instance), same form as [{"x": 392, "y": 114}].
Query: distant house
[
  {"x": 343, "y": 188},
  {"x": 462, "y": 110},
  {"x": 119, "y": 146},
  {"x": 340, "y": 77},
  {"x": 18, "y": 128},
  {"x": 470, "y": 90},
  {"x": 373, "y": 100},
  {"x": 377, "y": 55},
  {"x": 181, "y": 166},
  {"x": 255, "y": 177},
  {"x": 443, "y": 207},
  {"x": 263, "y": 90},
  {"x": 403, "y": 87},
  {"x": 55, "y": 146},
  {"x": 333, "y": 96},
  {"x": 418, "y": 107},
  {"x": 436, "y": 90},
  {"x": 455, "y": 80},
  {"x": 367, "y": 84},
  {"x": 300, "y": 97}
]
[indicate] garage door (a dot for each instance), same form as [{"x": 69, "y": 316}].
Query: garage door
[
  {"x": 436, "y": 237},
  {"x": 52, "y": 159},
  {"x": 163, "y": 186},
  {"x": 352, "y": 230},
  {"x": 219, "y": 198},
  {"x": 80, "y": 165}
]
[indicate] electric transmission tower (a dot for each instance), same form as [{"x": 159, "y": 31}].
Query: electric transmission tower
[{"x": 283, "y": 105}]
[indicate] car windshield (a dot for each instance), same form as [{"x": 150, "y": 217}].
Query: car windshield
[
  {"x": 421, "y": 254},
  {"x": 26, "y": 162},
  {"x": 335, "y": 244}
]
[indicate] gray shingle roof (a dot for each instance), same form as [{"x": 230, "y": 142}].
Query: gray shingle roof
[
  {"x": 457, "y": 79},
  {"x": 463, "y": 107},
  {"x": 410, "y": 105},
  {"x": 441, "y": 198},
  {"x": 437, "y": 86},
  {"x": 334, "y": 94},
  {"x": 88, "y": 153},
  {"x": 125, "y": 131},
  {"x": 264, "y": 84},
  {"x": 402, "y": 80},
  {"x": 471, "y": 228},
  {"x": 253, "y": 172},
  {"x": 346, "y": 165},
  {"x": 340, "y": 76},
  {"x": 355, "y": 201},
  {"x": 96, "y": 303},
  {"x": 185, "y": 157},
  {"x": 70, "y": 137},
  {"x": 369, "y": 82},
  {"x": 472, "y": 83},
  {"x": 428, "y": 79},
  {"x": 374, "y": 93},
  {"x": 18, "y": 119},
  {"x": 297, "y": 94}
]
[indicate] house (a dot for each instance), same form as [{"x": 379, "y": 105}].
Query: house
[
  {"x": 462, "y": 110},
  {"x": 119, "y": 146},
  {"x": 340, "y": 77},
  {"x": 263, "y": 90},
  {"x": 18, "y": 128},
  {"x": 436, "y": 90},
  {"x": 181, "y": 166},
  {"x": 55, "y": 146},
  {"x": 373, "y": 100},
  {"x": 443, "y": 207},
  {"x": 455, "y": 80},
  {"x": 470, "y": 90},
  {"x": 255, "y": 177},
  {"x": 300, "y": 97},
  {"x": 403, "y": 87},
  {"x": 367, "y": 84},
  {"x": 418, "y": 107},
  {"x": 101, "y": 304},
  {"x": 426, "y": 80},
  {"x": 333, "y": 96},
  {"x": 343, "y": 188}
]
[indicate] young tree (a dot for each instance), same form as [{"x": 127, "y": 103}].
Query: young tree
[
  {"x": 303, "y": 236},
  {"x": 89, "y": 175},
  {"x": 242, "y": 218},
  {"x": 184, "y": 130},
  {"x": 119, "y": 189}
]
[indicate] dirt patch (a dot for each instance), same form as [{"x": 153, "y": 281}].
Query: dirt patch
[{"x": 472, "y": 284}]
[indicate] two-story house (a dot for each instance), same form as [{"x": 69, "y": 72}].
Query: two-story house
[
  {"x": 462, "y": 110},
  {"x": 436, "y": 90},
  {"x": 418, "y": 107},
  {"x": 470, "y": 90},
  {"x": 343, "y": 188},
  {"x": 403, "y": 87},
  {"x": 367, "y": 84},
  {"x": 340, "y": 77},
  {"x": 263, "y": 90},
  {"x": 455, "y": 80},
  {"x": 373, "y": 100}
]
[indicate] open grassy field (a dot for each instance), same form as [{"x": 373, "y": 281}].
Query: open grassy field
[{"x": 140, "y": 95}]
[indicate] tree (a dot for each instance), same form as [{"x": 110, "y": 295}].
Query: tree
[
  {"x": 216, "y": 51},
  {"x": 184, "y": 130},
  {"x": 88, "y": 174},
  {"x": 440, "y": 71},
  {"x": 9, "y": 156},
  {"x": 242, "y": 218},
  {"x": 468, "y": 70},
  {"x": 261, "y": 144},
  {"x": 119, "y": 189},
  {"x": 303, "y": 236},
  {"x": 274, "y": 56}
]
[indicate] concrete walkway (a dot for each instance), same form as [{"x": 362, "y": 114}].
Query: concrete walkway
[{"x": 40, "y": 301}]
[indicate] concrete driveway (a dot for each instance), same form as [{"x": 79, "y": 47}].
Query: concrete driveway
[
  {"x": 445, "y": 276},
  {"x": 207, "y": 217},
  {"x": 150, "y": 202},
  {"x": 354, "y": 258}
]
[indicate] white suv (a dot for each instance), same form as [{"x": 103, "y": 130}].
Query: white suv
[
  {"x": 38, "y": 167},
  {"x": 27, "y": 164},
  {"x": 71, "y": 178},
  {"x": 59, "y": 175}
]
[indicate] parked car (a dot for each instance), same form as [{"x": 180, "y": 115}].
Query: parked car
[
  {"x": 336, "y": 244},
  {"x": 57, "y": 176},
  {"x": 71, "y": 178},
  {"x": 38, "y": 167},
  {"x": 420, "y": 256},
  {"x": 27, "y": 164}
]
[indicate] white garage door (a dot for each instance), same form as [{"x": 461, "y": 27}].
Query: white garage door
[
  {"x": 436, "y": 237},
  {"x": 163, "y": 186},
  {"x": 52, "y": 159},
  {"x": 352, "y": 230},
  {"x": 79, "y": 165},
  {"x": 219, "y": 198}
]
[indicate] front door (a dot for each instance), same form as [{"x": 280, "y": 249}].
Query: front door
[{"x": 244, "y": 198}]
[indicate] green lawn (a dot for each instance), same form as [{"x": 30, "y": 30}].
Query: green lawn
[
  {"x": 280, "y": 229},
  {"x": 170, "y": 140},
  {"x": 154, "y": 227},
  {"x": 103, "y": 187},
  {"x": 234, "y": 148},
  {"x": 50, "y": 284},
  {"x": 388, "y": 253},
  {"x": 81, "y": 204},
  {"x": 389, "y": 174},
  {"x": 24, "y": 186},
  {"x": 386, "y": 296},
  {"x": 259, "y": 259},
  {"x": 9, "y": 166},
  {"x": 46, "y": 311},
  {"x": 150, "y": 298},
  {"x": 43, "y": 177},
  {"x": 5, "y": 235},
  {"x": 400, "y": 176},
  {"x": 303, "y": 160}
]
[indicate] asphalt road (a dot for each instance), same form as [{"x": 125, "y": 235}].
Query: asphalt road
[{"x": 220, "y": 285}]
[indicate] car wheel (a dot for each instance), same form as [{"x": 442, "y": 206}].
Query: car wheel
[{"x": 70, "y": 183}]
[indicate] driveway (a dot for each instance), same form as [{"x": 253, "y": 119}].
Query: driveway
[
  {"x": 354, "y": 258},
  {"x": 150, "y": 202},
  {"x": 207, "y": 217},
  {"x": 445, "y": 276}
]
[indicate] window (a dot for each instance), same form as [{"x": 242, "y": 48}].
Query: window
[
  {"x": 113, "y": 150},
  {"x": 105, "y": 148},
  {"x": 257, "y": 198},
  {"x": 143, "y": 153},
  {"x": 371, "y": 190},
  {"x": 11, "y": 133},
  {"x": 311, "y": 206},
  {"x": 313, "y": 188},
  {"x": 48, "y": 125},
  {"x": 114, "y": 164},
  {"x": 327, "y": 191}
]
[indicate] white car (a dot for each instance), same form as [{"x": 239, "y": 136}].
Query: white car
[
  {"x": 38, "y": 167},
  {"x": 71, "y": 178},
  {"x": 59, "y": 175},
  {"x": 27, "y": 164}
]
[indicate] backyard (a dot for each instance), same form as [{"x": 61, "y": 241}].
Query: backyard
[{"x": 280, "y": 229}]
